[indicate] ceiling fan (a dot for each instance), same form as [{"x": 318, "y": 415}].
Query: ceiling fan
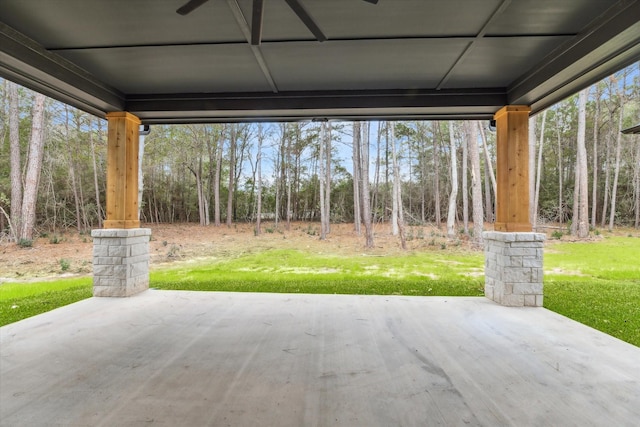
[{"x": 257, "y": 13}]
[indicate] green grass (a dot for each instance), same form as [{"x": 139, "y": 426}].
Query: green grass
[
  {"x": 295, "y": 271},
  {"x": 596, "y": 283},
  {"x": 21, "y": 300}
]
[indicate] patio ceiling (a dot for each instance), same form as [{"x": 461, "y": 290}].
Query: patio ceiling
[{"x": 402, "y": 59}]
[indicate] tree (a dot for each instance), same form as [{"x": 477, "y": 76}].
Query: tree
[
  {"x": 15, "y": 223},
  {"x": 476, "y": 181},
  {"x": 364, "y": 184},
  {"x": 233, "y": 134},
  {"x": 453, "y": 195},
  {"x": 465, "y": 190},
  {"x": 436, "y": 175},
  {"x": 216, "y": 182},
  {"x": 357, "y": 174},
  {"x": 261, "y": 136},
  {"x": 616, "y": 173},
  {"x": 536, "y": 197},
  {"x": 580, "y": 222},
  {"x": 596, "y": 131},
  {"x": 489, "y": 168},
  {"x": 34, "y": 165},
  {"x": 398, "y": 215},
  {"x": 324, "y": 218}
]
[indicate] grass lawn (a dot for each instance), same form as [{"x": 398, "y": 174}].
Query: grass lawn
[
  {"x": 596, "y": 283},
  {"x": 21, "y": 300}
]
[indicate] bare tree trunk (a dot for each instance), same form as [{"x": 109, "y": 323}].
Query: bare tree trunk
[
  {"x": 616, "y": 172},
  {"x": 15, "y": 223},
  {"x": 492, "y": 174},
  {"x": 327, "y": 186},
  {"x": 453, "y": 196},
  {"x": 560, "y": 180},
  {"x": 71, "y": 165},
  {"x": 197, "y": 174},
  {"x": 232, "y": 173},
  {"x": 34, "y": 165},
  {"x": 532, "y": 164},
  {"x": 356, "y": 177},
  {"x": 377, "y": 175},
  {"x": 575, "y": 219},
  {"x": 259, "y": 179},
  {"x": 216, "y": 182},
  {"x": 476, "y": 182},
  {"x": 398, "y": 218},
  {"x": 465, "y": 189},
  {"x": 95, "y": 174},
  {"x": 596, "y": 125},
  {"x": 436, "y": 175},
  {"x": 488, "y": 201},
  {"x": 288, "y": 177},
  {"x": 607, "y": 178},
  {"x": 364, "y": 176},
  {"x": 140, "y": 173},
  {"x": 583, "y": 210},
  {"x": 397, "y": 190},
  {"x": 323, "y": 212},
  {"x": 395, "y": 200},
  {"x": 536, "y": 197}
]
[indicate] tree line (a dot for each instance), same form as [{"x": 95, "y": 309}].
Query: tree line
[{"x": 584, "y": 172}]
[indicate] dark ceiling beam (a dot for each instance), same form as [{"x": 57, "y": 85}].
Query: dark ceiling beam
[
  {"x": 306, "y": 19},
  {"x": 497, "y": 12},
  {"x": 476, "y": 104},
  {"x": 611, "y": 42},
  {"x": 257, "y": 53},
  {"x": 25, "y": 62},
  {"x": 257, "y": 16},
  {"x": 182, "y": 118}
]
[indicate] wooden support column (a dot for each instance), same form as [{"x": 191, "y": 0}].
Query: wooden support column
[
  {"x": 122, "y": 171},
  {"x": 512, "y": 211}
]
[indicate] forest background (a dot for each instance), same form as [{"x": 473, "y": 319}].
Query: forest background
[{"x": 584, "y": 173}]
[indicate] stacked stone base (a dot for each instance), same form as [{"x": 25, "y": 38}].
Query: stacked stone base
[
  {"x": 513, "y": 268},
  {"x": 120, "y": 261}
]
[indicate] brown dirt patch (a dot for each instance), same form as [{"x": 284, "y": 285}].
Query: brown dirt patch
[{"x": 181, "y": 242}]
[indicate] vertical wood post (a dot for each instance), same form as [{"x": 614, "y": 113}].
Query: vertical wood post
[
  {"x": 122, "y": 171},
  {"x": 512, "y": 211}
]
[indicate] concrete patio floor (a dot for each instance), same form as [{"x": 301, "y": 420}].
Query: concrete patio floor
[{"x": 242, "y": 359}]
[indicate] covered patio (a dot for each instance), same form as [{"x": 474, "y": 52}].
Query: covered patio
[
  {"x": 241, "y": 359},
  {"x": 178, "y": 358}
]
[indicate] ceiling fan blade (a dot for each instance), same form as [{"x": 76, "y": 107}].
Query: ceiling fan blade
[
  {"x": 306, "y": 19},
  {"x": 190, "y": 6},
  {"x": 256, "y": 22},
  {"x": 372, "y": 1}
]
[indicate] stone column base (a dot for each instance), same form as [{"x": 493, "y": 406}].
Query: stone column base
[
  {"x": 120, "y": 261},
  {"x": 513, "y": 268}
]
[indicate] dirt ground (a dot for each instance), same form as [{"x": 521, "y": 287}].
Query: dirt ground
[{"x": 70, "y": 253}]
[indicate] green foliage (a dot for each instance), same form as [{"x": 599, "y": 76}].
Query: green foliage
[
  {"x": 557, "y": 234},
  {"x": 25, "y": 243},
  {"x": 55, "y": 239},
  {"x": 65, "y": 264}
]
